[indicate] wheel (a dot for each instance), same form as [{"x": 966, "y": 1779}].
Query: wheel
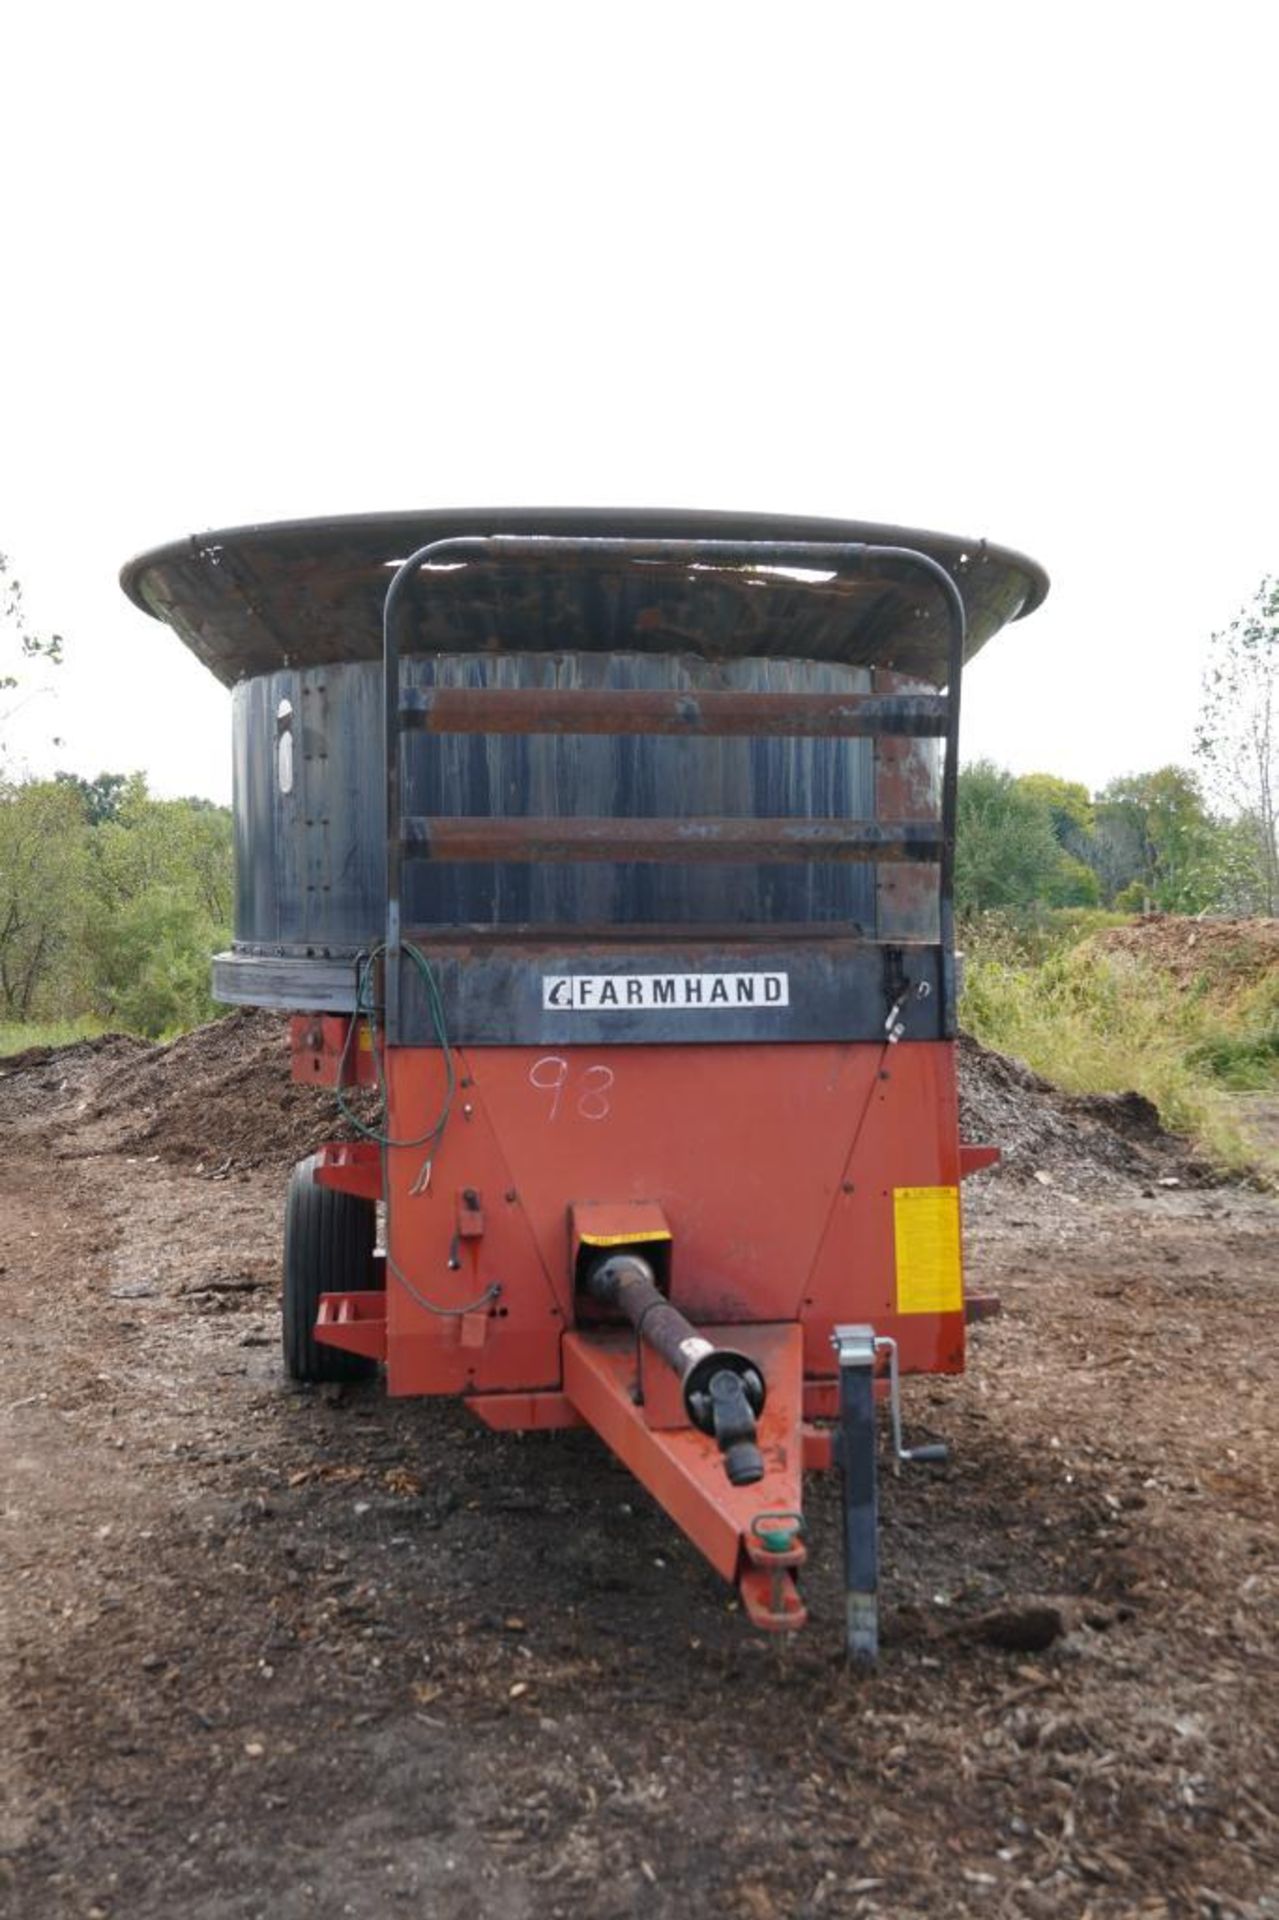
[{"x": 328, "y": 1248}]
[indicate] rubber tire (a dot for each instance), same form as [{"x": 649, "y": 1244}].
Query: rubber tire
[{"x": 328, "y": 1248}]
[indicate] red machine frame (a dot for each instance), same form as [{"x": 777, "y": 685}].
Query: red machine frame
[
  {"x": 858, "y": 1149},
  {"x": 796, "y": 1203}
]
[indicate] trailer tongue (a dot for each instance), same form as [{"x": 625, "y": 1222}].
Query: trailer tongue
[{"x": 617, "y": 849}]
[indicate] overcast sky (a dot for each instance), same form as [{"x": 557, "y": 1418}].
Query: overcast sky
[{"x": 1001, "y": 270}]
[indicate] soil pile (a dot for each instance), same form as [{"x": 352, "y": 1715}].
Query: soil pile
[
  {"x": 222, "y": 1094},
  {"x": 220, "y": 1097},
  {"x": 1070, "y": 1140},
  {"x": 1228, "y": 953},
  {"x": 55, "y": 1078}
]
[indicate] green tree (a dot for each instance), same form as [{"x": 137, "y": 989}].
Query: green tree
[
  {"x": 1070, "y": 806},
  {"x": 1156, "y": 844},
  {"x": 101, "y": 798},
  {"x": 1237, "y": 739},
  {"x": 158, "y": 843},
  {"x": 44, "y": 864},
  {"x": 1073, "y": 880},
  {"x": 1006, "y": 854},
  {"x": 1072, "y": 883},
  {"x": 152, "y": 961},
  {"x": 162, "y": 903}
]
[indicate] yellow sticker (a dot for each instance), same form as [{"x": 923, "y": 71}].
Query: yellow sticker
[
  {"x": 926, "y": 1225},
  {"x": 622, "y": 1239}
]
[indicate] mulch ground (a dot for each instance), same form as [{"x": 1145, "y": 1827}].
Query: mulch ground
[{"x": 308, "y": 1653}]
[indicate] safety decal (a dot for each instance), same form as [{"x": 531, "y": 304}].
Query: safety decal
[{"x": 926, "y": 1230}]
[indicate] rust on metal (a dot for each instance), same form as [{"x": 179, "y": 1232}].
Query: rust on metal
[
  {"x": 907, "y": 787},
  {"x": 698, "y": 712},
  {"x": 481, "y": 837},
  {"x": 771, "y": 1600},
  {"x": 248, "y": 600},
  {"x": 325, "y": 1053}
]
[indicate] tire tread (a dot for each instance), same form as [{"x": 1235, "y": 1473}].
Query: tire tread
[{"x": 328, "y": 1248}]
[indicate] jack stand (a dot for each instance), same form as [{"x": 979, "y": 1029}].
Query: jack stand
[{"x": 855, "y": 1446}]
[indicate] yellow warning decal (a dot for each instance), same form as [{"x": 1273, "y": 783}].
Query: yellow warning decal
[
  {"x": 926, "y": 1227},
  {"x": 364, "y": 1040},
  {"x": 621, "y": 1239}
]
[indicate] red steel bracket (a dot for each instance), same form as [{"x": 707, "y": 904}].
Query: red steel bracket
[
  {"x": 355, "y": 1322},
  {"x": 973, "y": 1158},
  {"x": 351, "y": 1166},
  {"x": 525, "y": 1412}
]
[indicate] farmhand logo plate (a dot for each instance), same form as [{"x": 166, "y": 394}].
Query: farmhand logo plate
[{"x": 663, "y": 992}]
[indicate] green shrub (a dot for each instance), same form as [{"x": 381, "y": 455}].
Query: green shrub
[{"x": 153, "y": 963}]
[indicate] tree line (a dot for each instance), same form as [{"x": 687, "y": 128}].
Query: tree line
[
  {"x": 1180, "y": 839},
  {"x": 111, "y": 902},
  {"x": 1149, "y": 841}
]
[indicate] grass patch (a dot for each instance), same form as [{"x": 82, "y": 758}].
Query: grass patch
[
  {"x": 17, "y": 1035},
  {"x": 1241, "y": 1050},
  {"x": 1105, "y": 1020}
]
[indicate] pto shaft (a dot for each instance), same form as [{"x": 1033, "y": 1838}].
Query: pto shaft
[{"x": 723, "y": 1391}]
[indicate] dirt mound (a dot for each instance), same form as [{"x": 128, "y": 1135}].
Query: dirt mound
[
  {"x": 1231, "y": 953},
  {"x": 53, "y": 1077},
  {"x": 222, "y": 1098},
  {"x": 1071, "y": 1140}
]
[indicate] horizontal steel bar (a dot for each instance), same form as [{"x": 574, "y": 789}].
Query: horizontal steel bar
[
  {"x": 620, "y": 710},
  {"x": 696, "y": 840}
]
